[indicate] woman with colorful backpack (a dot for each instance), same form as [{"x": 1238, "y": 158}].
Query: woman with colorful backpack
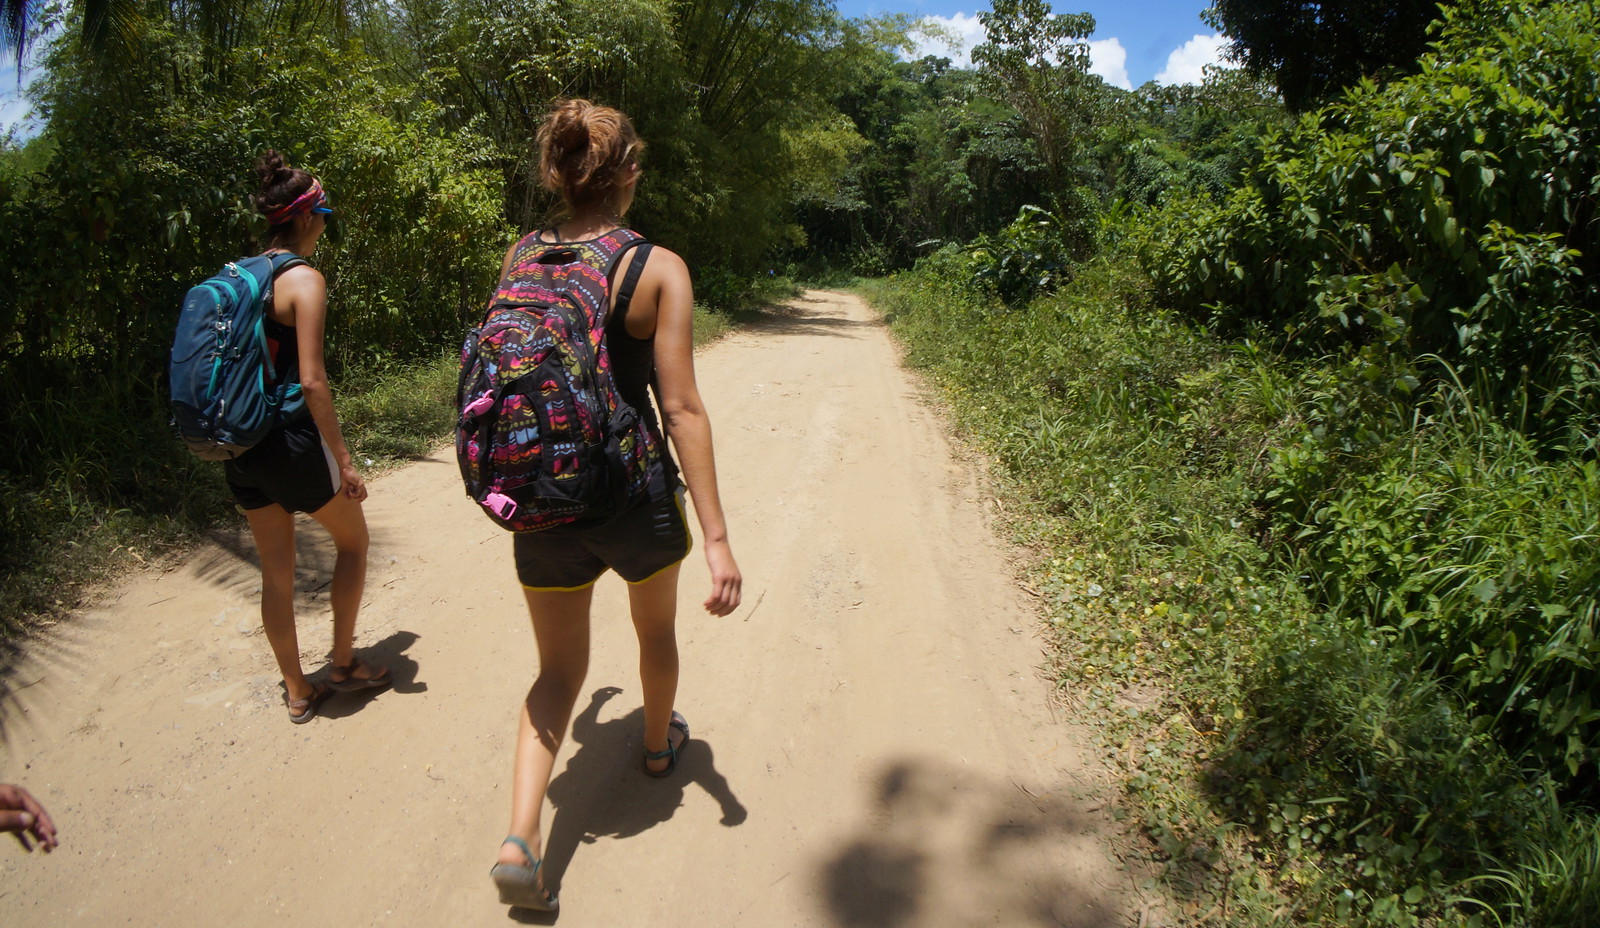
[
  {"x": 589, "y": 154},
  {"x": 302, "y": 465}
]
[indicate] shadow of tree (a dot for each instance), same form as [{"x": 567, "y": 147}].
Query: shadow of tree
[
  {"x": 944, "y": 846},
  {"x": 235, "y": 563},
  {"x": 45, "y": 649},
  {"x": 816, "y": 318},
  {"x": 604, "y": 793}
]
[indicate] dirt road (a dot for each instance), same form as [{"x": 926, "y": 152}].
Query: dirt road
[{"x": 871, "y": 745}]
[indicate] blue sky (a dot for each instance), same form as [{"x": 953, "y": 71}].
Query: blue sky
[
  {"x": 12, "y": 106},
  {"x": 1133, "y": 42}
]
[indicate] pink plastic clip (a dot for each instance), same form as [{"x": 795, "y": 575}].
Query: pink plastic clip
[
  {"x": 479, "y": 405},
  {"x": 501, "y": 505}
]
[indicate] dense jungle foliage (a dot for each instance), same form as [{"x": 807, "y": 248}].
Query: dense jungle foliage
[
  {"x": 419, "y": 117},
  {"x": 1296, "y": 403},
  {"x": 1313, "y": 456}
]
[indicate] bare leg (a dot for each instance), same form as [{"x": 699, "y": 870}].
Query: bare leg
[
  {"x": 654, "y": 604},
  {"x": 273, "y": 529},
  {"x": 345, "y": 521},
  {"x": 561, "y": 628}
]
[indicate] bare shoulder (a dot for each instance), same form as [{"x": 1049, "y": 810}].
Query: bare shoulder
[
  {"x": 665, "y": 261},
  {"x": 299, "y": 288},
  {"x": 300, "y": 277}
]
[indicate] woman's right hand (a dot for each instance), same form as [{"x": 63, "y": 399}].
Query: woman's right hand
[{"x": 726, "y": 582}]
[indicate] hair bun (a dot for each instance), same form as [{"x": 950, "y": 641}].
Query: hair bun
[
  {"x": 570, "y": 125},
  {"x": 584, "y": 150},
  {"x": 272, "y": 169}
]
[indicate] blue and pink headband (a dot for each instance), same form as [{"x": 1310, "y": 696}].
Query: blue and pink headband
[{"x": 314, "y": 200}]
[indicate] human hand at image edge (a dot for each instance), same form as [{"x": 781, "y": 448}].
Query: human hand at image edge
[{"x": 24, "y": 817}]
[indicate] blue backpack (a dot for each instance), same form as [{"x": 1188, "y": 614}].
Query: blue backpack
[{"x": 225, "y": 397}]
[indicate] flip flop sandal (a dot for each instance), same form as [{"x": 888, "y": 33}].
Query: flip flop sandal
[
  {"x": 352, "y": 683},
  {"x": 519, "y": 885},
  {"x": 307, "y": 706},
  {"x": 671, "y": 753}
]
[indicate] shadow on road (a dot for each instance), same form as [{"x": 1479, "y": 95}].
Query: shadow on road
[
  {"x": 816, "y": 318},
  {"x": 604, "y": 793},
  {"x": 234, "y": 564},
  {"x": 390, "y": 653},
  {"x": 943, "y": 846}
]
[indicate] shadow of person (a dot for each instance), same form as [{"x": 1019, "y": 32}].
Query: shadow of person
[
  {"x": 604, "y": 792},
  {"x": 390, "y": 653}
]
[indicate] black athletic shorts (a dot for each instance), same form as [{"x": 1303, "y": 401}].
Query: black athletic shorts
[
  {"x": 292, "y": 467},
  {"x": 638, "y": 544}
]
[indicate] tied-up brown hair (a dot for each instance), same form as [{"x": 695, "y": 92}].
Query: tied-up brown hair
[
  {"x": 279, "y": 186},
  {"x": 584, "y": 148}
]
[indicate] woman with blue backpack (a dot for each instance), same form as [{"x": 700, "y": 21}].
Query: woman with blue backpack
[
  {"x": 641, "y": 299},
  {"x": 302, "y": 465}
]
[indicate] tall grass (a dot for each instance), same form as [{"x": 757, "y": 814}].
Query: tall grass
[{"x": 1275, "y": 615}]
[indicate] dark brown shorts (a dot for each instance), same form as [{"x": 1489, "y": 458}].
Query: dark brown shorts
[{"x": 638, "y": 544}]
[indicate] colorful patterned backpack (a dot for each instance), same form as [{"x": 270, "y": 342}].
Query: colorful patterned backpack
[
  {"x": 220, "y": 374},
  {"x": 544, "y": 438}
]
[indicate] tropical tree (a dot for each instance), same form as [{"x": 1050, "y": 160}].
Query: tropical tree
[
  {"x": 1038, "y": 63},
  {"x": 103, "y": 23},
  {"x": 1311, "y": 51}
]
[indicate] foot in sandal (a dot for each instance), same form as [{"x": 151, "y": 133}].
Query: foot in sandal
[
  {"x": 359, "y": 675},
  {"x": 517, "y": 878},
  {"x": 304, "y": 709}
]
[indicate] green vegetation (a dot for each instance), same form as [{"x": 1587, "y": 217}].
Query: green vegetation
[
  {"x": 1311, "y": 51},
  {"x": 1298, "y": 414},
  {"x": 1308, "y": 470},
  {"x": 419, "y": 117}
]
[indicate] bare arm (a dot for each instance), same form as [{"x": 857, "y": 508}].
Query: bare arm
[
  {"x": 687, "y": 424},
  {"x": 305, "y": 292}
]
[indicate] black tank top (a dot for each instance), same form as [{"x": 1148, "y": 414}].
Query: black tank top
[
  {"x": 283, "y": 345},
  {"x": 633, "y": 364}
]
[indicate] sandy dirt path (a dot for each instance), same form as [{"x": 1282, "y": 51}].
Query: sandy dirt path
[{"x": 871, "y": 744}]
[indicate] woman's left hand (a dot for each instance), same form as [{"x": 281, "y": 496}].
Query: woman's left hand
[
  {"x": 726, "y": 582},
  {"x": 354, "y": 486}
]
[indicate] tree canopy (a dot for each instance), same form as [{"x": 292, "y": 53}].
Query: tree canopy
[{"x": 1311, "y": 50}]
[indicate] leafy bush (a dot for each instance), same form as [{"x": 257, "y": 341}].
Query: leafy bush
[
  {"x": 1028, "y": 258},
  {"x": 1449, "y": 215},
  {"x": 1365, "y": 773}
]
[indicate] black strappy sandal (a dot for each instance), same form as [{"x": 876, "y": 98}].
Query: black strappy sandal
[
  {"x": 307, "y": 706},
  {"x": 671, "y": 753}
]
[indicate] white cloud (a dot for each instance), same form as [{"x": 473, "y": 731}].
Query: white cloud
[
  {"x": 1185, "y": 65},
  {"x": 1109, "y": 59},
  {"x": 963, "y": 33}
]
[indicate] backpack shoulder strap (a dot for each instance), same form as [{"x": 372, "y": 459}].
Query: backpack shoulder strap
[
  {"x": 630, "y": 281},
  {"x": 284, "y": 260},
  {"x": 278, "y": 263}
]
